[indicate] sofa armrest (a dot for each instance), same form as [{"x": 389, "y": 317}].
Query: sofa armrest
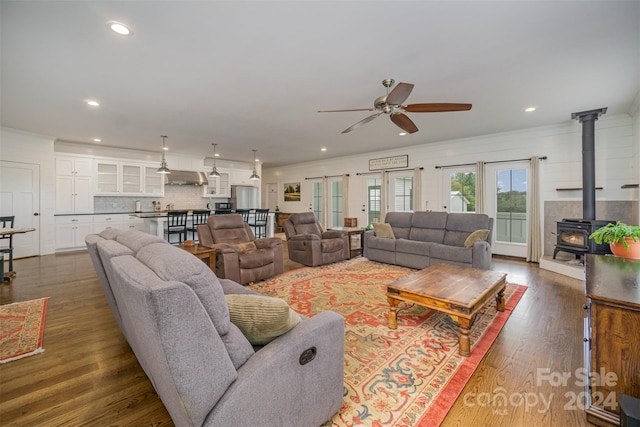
[
  {"x": 224, "y": 248},
  {"x": 301, "y": 237},
  {"x": 299, "y": 394},
  {"x": 333, "y": 234},
  {"x": 268, "y": 242},
  {"x": 481, "y": 255}
]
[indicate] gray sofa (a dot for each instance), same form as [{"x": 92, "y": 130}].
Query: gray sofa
[
  {"x": 427, "y": 238},
  {"x": 172, "y": 311}
]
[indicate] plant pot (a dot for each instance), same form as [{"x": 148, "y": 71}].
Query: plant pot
[{"x": 619, "y": 250}]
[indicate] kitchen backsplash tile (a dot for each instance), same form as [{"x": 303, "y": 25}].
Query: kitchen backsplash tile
[{"x": 181, "y": 196}]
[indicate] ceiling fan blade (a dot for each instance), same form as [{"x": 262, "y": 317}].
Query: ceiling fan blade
[
  {"x": 341, "y": 111},
  {"x": 404, "y": 122},
  {"x": 399, "y": 93},
  {"x": 361, "y": 122},
  {"x": 436, "y": 107}
]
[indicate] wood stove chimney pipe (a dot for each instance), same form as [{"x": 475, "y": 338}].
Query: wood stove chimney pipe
[{"x": 588, "y": 119}]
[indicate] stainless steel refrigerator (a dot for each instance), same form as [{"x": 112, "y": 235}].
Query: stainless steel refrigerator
[{"x": 244, "y": 197}]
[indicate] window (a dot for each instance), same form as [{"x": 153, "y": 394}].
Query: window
[
  {"x": 462, "y": 192},
  {"x": 317, "y": 200},
  {"x": 336, "y": 204},
  {"x": 402, "y": 193},
  {"x": 374, "y": 194}
]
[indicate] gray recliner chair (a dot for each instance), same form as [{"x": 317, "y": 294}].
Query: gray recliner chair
[
  {"x": 308, "y": 244},
  {"x": 239, "y": 255}
]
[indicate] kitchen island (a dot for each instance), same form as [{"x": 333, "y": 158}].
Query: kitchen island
[{"x": 154, "y": 222}]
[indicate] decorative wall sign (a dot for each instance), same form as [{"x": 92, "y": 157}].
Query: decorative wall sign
[
  {"x": 389, "y": 163},
  {"x": 292, "y": 192}
]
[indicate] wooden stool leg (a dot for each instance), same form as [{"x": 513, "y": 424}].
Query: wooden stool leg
[
  {"x": 500, "y": 300},
  {"x": 393, "y": 312},
  {"x": 464, "y": 341}
]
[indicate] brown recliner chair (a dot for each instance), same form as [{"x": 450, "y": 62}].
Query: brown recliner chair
[
  {"x": 308, "y": 244},
  {"x": 239, "y": 255}
]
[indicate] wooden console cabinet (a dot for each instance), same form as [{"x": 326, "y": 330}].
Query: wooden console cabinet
[
  {"x": 281, "y": 216},
  {"x": 612, "y": 335}
]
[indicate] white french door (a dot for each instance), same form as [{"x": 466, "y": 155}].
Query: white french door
[{"x": 506, "y": 203}]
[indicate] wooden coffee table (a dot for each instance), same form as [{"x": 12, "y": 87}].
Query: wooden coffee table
[{"x": 457, "y": 291}]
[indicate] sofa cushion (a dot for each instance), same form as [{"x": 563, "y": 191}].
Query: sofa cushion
[
  {"x": 455, "y": 254},
  {"x": 460, "y": 225},
  {"x": 136, "y": 240},
  {"x": 260, "y": 318},
  {"x": 383, "y": 231},
  {"x": 476, "y": 236},
  {"x": 400, "y": 222},
  {"x": 374, "y": 242},
  {"x": 173, "y": 264},
  {"x": 413, "y": 247}
]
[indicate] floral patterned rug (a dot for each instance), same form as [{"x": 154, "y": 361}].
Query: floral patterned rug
[
  {"x": 21, "y": 329},
  {"x": 410, "y": 376}
]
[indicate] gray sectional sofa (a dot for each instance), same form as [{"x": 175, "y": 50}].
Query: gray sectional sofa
[
  {"x": 426, "y": 238},
  {"x": 174, "y": 314}
]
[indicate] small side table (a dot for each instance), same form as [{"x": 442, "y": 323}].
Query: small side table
[
  {"x": 355, "y": 239},
  {"x": 200, "y": 251}
]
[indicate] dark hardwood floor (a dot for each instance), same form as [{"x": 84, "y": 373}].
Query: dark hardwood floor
[{"x": 87, "y": 374}]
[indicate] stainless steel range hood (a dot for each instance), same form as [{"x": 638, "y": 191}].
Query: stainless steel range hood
[{"x": 185, "y": 178}]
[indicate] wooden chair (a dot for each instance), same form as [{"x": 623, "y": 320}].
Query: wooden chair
[
  {"x": 177, "y": 224},
  {"x": 245, "y": 214},
  {"x": 198, "y": 217},
  {"x": 7, "y": 222},
  {"x": 259, "y": 223}
]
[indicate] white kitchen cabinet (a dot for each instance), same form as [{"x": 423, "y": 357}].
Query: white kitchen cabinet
[
  {"x": 132, "y": 222},
  {"x": 71, "y": 231},
  {"x": 74, "y": 185},
  {"x": 241, "y": 177},
  {"x": 153, "y": 182},
  {"x": 218, "y": 187},
  {"x": 121, "y": 178},
  {"x": 103, "y": 222}
]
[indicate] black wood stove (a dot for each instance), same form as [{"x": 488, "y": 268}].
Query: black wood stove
[{"x": 573, "y": 237}]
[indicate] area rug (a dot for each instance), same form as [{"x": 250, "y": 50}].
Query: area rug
[
  {"x": 410, "y": 376},
  {"x": 21, "y": 329}
]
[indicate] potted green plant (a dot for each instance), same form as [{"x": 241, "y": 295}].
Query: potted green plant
[{"x": 623, "y": 239}]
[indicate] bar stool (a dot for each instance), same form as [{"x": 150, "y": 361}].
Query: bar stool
[
  {"x": 259, "y": 223},
  {"x": 245, "y": 214},
  {"x": 177, "y": 224},
  {"x": 198, "y": 217},
  {"x": 7, "y": 222}
]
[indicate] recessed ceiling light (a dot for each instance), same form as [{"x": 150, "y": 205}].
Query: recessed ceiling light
[
  {"x": 97, "y": 140},
  {"x": 530, "y": 109},
  {"x": 92, "y": 102},
  {"x": 402, "y": 133},
  {"x": 216, "y": 155},
  {"x": 323, "y": 149},
  {"x": 165, "y": 148},
  {"x": 119, "y": 28}
]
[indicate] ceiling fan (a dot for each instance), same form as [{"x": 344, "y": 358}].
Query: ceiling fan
[{"x": 391, "y": 104}]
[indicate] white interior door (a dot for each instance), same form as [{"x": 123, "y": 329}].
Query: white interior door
[
  {"x": 272, "y": 196},
  {"x": 20, "y": 196}
]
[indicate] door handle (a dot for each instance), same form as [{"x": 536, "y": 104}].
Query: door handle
[{"x": 36, "y": 214}]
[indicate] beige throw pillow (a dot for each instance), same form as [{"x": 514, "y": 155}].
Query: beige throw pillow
[
  {"x": 260, "y": 318},
  {"x": 383, "y": 230},
  {"x": 476, "y": 236}
]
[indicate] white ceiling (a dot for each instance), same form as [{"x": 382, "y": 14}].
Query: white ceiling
[{"x": 251, "y": 75}]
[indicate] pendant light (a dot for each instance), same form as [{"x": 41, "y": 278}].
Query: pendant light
[
  {"x": 214, "y": 172},
  {"x": 254, "y": 176},
  {"x": 163, "y": 169}
]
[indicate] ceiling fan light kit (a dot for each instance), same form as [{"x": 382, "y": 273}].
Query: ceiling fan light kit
[{"x": 391, "y": 104}]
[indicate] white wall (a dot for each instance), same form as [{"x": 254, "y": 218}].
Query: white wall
[
  {"x": 23, "y": 147},
  {"x": 616, "y": 163}
]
